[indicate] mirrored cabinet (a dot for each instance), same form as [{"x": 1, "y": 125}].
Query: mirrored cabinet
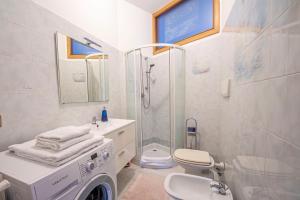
[{"x": 82, "y": 70}]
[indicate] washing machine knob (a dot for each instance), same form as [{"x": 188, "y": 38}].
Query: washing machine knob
[
  {"x": 90, "y": 166},
  {"x": 105, "y": 155}
]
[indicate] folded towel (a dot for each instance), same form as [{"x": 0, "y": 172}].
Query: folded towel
[
  {"x": 58, "y": 145},
  {"x": 30, "y": 151},
  {"x": 64, "y": 133}
]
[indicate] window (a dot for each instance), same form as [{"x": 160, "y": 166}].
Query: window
[
  {"x": 184, "y": 21},
  {"x": 78, "y": 50}
]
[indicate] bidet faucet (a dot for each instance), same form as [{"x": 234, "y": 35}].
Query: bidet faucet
[
  {"x": 218, "y": 171},
  {"x": 221, "y": 187}
]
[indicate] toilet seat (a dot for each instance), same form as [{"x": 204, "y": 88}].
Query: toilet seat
[
  {"x": 190, "y": 156},
  {"x": 192, "y": 163}
]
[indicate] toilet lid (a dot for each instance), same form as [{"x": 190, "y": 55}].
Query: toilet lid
[
  {"x": 192, "y": 156},
  {"x": 192, "y": 163}
]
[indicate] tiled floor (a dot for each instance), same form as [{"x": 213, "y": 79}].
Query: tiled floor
[{"x": 136, "y": 183}]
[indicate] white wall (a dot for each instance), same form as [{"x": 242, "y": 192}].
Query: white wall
[
  {"x": 115, "y": 22},
  {"x": 135, "y": 28},
  {"x": 260, "y": 121},
  {"x": 97, "y": 17}
]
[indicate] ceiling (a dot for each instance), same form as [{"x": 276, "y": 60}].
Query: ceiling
[{"x": 149, "y": 5}]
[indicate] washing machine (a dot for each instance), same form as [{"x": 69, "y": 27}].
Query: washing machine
[{"x": 90, "y": 176}]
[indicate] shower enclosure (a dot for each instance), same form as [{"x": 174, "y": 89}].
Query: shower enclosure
[{"x": 156, "y": 100}]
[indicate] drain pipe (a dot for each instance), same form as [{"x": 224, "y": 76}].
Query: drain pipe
[
  {"x": 218, "y": 170},
  {"x": 220, "y": 167}
]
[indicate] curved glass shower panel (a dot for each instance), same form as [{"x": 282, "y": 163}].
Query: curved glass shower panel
[{"x": 150, "y": 101}]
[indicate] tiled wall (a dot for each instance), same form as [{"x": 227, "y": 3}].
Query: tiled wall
[
  {"x": 156, "y": 120},
  {"x": 260, "y": 123},
  {"x": 203, "y": 89},
  {"x": 257, "y": 130},
  {"x": 161, "y": 99},
  {"x": 29, "y": 102}
]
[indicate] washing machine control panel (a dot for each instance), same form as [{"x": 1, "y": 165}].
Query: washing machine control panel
[{"x": 94, "y": 162}]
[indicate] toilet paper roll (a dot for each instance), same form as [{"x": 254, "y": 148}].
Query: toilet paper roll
[{"x": 4, "y": 185}]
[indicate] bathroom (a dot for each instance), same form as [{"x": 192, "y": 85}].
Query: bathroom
[{"x": 238, "y": 81}]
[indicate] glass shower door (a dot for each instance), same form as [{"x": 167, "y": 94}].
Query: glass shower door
[
  {"x": 155, "y": 99},
  {"x": 156, "y": 122}
]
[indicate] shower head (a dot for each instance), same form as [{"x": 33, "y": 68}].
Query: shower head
[{"x": 150, "y": 67}]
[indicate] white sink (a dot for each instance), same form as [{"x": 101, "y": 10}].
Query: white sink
[{"x": 190, "y": 187}]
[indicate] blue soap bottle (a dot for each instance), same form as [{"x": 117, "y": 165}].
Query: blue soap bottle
[{"x": 104, "y": 115}]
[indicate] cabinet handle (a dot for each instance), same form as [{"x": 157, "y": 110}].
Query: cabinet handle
[
  {"x": 122, "y": 152},
  {"x": 121, "y": 132}
]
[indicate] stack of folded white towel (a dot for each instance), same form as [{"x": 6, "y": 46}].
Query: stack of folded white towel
[
  {"x": 58, "y": 146},
  {"x": 64, "y": 137}
]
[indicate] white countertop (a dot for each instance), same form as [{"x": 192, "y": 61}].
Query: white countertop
[{"x": 111, "y": 125}]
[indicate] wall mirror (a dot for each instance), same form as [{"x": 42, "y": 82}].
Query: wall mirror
[{"x": 82, "y": 70}]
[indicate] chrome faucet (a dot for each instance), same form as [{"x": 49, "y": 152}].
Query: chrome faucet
[{"x": 221, "y": 187}]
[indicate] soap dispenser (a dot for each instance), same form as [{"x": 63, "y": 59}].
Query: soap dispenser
[{"x": 104, "y": 115}]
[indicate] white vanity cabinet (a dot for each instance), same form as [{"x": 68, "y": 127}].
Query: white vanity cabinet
[
  {"x": 122, "y": 132},
  {"x": 124, "y": 145}
]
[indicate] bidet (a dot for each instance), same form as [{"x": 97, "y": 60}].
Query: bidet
[{"x": 191, "y": 187}]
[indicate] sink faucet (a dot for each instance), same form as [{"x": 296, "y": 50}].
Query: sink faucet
[{"x": 221, "y": 187}]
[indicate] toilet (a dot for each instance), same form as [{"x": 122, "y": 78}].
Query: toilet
[{"x": 194, "y": 161}]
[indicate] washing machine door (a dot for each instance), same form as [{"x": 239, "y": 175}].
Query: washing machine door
[{"x": 101, "y": 187}]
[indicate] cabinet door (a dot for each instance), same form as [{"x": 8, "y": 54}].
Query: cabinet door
[
  {"x": 122, "y": 137},
  {"x": 124, "y": 156}
]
